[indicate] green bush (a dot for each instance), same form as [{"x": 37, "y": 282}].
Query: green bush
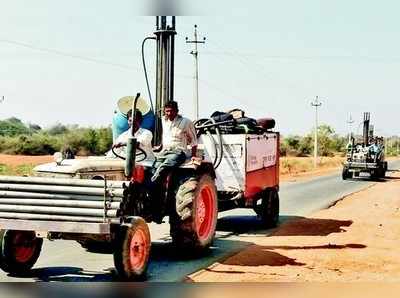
[
  {"x": 83, "y": 141},
  {"x": 13, "y": 127},
  {"x": 329, "y": 143}
]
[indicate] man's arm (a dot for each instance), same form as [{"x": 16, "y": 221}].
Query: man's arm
[
  {"x": 119, "y": 144},
  {"x": 144, "y": 138}
]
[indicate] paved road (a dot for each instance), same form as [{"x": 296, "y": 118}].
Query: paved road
[{"x": 67, "y": 261}]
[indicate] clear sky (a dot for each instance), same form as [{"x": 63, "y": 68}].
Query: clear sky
[{"x": 70, "y": 61}]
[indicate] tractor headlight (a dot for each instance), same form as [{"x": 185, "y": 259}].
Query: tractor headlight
[{"x": 58, "y": 158}]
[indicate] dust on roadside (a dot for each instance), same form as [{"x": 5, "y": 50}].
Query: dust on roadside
[{"x": 357, "y": 239}]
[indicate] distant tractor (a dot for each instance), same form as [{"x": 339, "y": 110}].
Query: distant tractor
[
  {"x": 367, "y": 156},
  {"x": 109, "y": 201}
]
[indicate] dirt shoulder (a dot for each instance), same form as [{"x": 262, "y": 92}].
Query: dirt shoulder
[
  {"x": 357, "y": 239},
  {"x": 16, "y": 160}
]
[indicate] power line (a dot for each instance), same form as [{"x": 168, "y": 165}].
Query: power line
[
  {"x": 64, "y": 54},
  {"x": 260, "y": 69},
  {"x": 371, "y": 59}
]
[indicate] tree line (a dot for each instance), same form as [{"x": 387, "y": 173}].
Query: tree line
[
  {"x": 329, "y": 143},
  {"x": 17, "y": 137}
]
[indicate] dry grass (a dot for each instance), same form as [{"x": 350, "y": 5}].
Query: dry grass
[
  {"x": 296, "y": 165},
  {"x": 21, "y": 164}
]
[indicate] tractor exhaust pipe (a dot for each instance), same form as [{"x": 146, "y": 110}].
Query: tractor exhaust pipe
[{"x": 366, "y": 128}]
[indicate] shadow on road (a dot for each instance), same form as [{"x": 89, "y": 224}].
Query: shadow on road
[
  {"x": 166, "y": 264},
  {"x": 240, "y": 224},
  {"x": 73, "y": 274},
  {"x": 302, "y": 227},
  {"x": 391, "y": 178},
  {"x": 258, "y": 255}
]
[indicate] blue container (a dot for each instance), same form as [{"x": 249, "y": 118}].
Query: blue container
[
  {"x": 120, "y": 123},
  {"x": 148, "y": 121}
]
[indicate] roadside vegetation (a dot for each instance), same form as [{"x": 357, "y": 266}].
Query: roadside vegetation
[
  {"x": 329, "y": 144},
  {"x": 20, "y": 170},
  {"x": 17, "y": 138},
  {"x": 30, "y": 139}
]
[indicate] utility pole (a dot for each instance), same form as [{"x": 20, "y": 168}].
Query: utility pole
[
  {"x": 195, "y": 54},
  {"x": 316, "y": 103},
  {"x": 350, "y": 122},
  {"x": 2, "y": 99}
]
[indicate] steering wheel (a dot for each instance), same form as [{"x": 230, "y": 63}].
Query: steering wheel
[{"x": 141, "y": 154}]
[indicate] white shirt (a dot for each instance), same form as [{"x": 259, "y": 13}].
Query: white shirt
[
  {"x": 178, "y": 133},
  {"x": 143, "y": 136}
]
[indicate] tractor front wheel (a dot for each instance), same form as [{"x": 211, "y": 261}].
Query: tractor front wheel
[
  {"x": 132, "y": 250},
  {"x": 194, "y": 222},
  {"x": 19, "y": 251}
]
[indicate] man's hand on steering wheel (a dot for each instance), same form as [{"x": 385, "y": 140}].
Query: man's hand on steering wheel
[
  {"x": 140, "y": 153},
  {"x": 118, "y": 145}
]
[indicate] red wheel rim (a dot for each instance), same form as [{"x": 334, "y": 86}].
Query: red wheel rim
[
  {"x": 138, "y": 249},
  {"x": 205, "y": 212},
  {"x": 24, "y": 247}
]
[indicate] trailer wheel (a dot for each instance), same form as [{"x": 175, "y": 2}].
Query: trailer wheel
[
  {"x": 132, "y": 250},
  {"x": 19, "y": 251},
  {"x": 382, "y": 170},
  {"x": 268, "y": 210},
  {"x": 194, "y": 222}
]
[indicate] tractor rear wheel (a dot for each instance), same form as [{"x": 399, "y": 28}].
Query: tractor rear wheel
[
  {"x": 382, "y": 170},
  {"x": 132, "y": 250},
  {"x": 268, "y": 210},
  {"x": 19, "y": 251},
  {"x": 194, "y": 222}
]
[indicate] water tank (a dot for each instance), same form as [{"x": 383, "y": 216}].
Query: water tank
[{"x": 120, "y": 120}]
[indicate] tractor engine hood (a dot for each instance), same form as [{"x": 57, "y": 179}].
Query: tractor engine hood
[{"x": 84, "y": 165}]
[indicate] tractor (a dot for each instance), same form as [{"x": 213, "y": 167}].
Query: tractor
[
  {"x": 367, "y": 156},
  {"x": 109, "y": 201}
]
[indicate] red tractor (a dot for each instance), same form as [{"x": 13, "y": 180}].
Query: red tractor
[{"x": 110, "y": 201}]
